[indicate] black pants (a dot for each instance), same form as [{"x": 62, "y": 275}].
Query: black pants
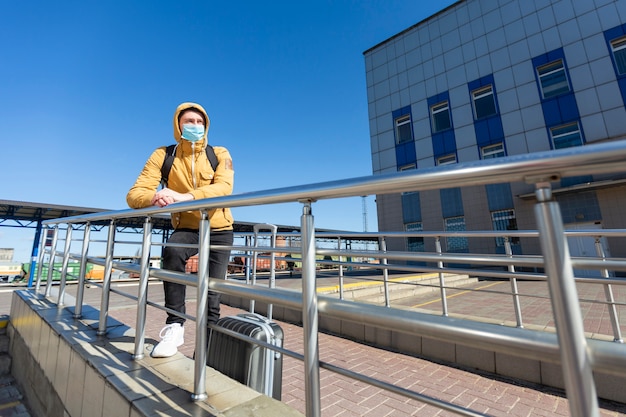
[{"x": 175, "y": 258}]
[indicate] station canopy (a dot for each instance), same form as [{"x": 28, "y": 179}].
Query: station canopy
[{"x": 30, "y": 215}]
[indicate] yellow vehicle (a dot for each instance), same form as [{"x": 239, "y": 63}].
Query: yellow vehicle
[{"x": 11, "y": 271}]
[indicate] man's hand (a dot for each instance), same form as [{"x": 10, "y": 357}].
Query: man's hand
[{"x": 166, "y": 196}]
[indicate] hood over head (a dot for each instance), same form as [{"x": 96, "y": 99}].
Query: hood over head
[{"x": 180, "y": 110}]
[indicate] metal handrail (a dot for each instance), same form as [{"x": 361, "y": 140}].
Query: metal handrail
[
  {"x": 532, "y": 168},
  {"x": 569, "y": 346}
]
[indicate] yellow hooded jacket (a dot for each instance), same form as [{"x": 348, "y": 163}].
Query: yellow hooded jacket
[{"x": 191, "y": 173}]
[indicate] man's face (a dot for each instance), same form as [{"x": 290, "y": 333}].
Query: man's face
[{"x": 190, "y": 117}]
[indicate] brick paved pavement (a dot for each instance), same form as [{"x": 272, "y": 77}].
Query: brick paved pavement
[{"x": 342, "y": 397}]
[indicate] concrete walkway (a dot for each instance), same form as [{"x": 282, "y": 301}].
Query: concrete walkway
[{"x": 343, "y": 397}]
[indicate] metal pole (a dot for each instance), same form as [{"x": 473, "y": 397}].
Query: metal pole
[
  {"x": 514, "y": 290},
  {"x": 34, "y": 254},
  {"x": 66, "y": 259},
  {"x": 272, "y": 281},
  {"x": 80, "y": 291},
  {"x": 340, "y": 270},
  {"x": 42, "y": 253},
  {"x": 106, "y": 281},
  {"x": 255, "y": 256},
  {"x": 575, "y": 360},
  {"x": 142, "y": 292},
  {"x": 383, "y": 248},
  {"x": 272, "y": 278},
  {"x": 246, "y": 260},
  {"x": 442, "y": 284},
  {"x": 202, "y": 309},
  {"x": 608, "y": 292},
  {"x": 53, "y": 249},
  {"x": 310, "y": 315}
]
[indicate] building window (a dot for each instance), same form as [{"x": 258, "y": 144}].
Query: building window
[
  {"x": 456, "y": 224},
  {"x": 504, "y": 220},
  {"x": 618, "y": 46},
  {"x": 414, "y": 243},
  {"x": 553, "y": 79},
  {"x": 566, "y": 136},
  {"x": 440, "y": 114},
  {"x": 447, "y": 160},
  {"x": 404, "y": 132},
  {"x": 492, "y": 151},
  {"x": 484, "y": 102}
]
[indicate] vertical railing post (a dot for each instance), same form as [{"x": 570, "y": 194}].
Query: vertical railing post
[
  {"x": 340, "y": 269},
  {"x": 608, "y": 292},
  {"x": 575, "y": 360},
  {"x": 142, "y": 291},
  {"x": 35, "y": 254},
  {"x": 383, "y": 248},
  {"x": 42, "y": 254},
  {"x": 272, "y": 280},
  {"x": 513, "y": 280},
  {"x": 255, "y": 257},
  {"x": 66, "y": 259},
  {"x": 80, "y": 291},
  {"x": 246, "y": 259},
  {"x": 442, "y": 283},
  {"x": 53, "y": 254},
  {"x": 310, "y": 315},
  {"x": 106, "y": 280},
  {"x": 202, "y": 309}
]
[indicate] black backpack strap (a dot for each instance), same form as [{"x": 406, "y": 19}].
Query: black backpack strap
[
  {"x": 169, "y": 160},
  {"x": 167, "y": 164},
  {"x": 210, "y": 154}
]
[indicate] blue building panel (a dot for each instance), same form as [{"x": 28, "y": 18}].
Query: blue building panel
[
  {"x": 499, "y": 196},
  {"x": 481, "y": 82},
  {"x": 411, "y": 208},
  {"x": 449, "y": 142},
  {"x": 451, "y": 202},
  {"x": 568, "y": 108},
  {"x": 580, "y": 207},
  {"x": 401, "y": 112},
  {"x": 405, "y": 154},
  {"x": 438, "y": 98},
  {"x": 613, "y": 33},
  {"x": 551, "y": 112},
  {"x": 581, "y": 179},
  {"x": 438, "y": 145},
  {"x": 481, "y": 129},
  {"x": 496, "y": 132},
  {"x": 622, "y": 88}
]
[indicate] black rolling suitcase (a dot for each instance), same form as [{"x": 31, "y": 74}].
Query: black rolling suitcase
[{"x": 253, "y": 365}]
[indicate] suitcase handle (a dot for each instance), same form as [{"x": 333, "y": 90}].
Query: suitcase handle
[
  {"x": 261, "y": 319},
  {"x": 265, "y": 226},
  {"x": 254, "y": 316}
]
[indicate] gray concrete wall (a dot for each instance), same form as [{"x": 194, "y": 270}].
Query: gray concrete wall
[
  {"x": 66, "y": 369},
  {"x": 609, "y": 387}
]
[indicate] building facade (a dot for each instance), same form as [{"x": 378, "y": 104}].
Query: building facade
[{"x": 493, "y": 78}]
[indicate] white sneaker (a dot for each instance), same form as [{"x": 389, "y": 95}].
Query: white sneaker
[{"x": 171, "y": 336}]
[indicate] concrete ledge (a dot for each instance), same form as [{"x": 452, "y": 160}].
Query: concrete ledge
[
  {"x": 608, "y": 387},
  {"x": 66, "y": 369}
]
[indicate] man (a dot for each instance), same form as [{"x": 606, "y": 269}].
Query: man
[{"x": 191, "y": 178}]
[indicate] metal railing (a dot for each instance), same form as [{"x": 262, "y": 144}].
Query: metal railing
[{"x": 578, "y": 355}]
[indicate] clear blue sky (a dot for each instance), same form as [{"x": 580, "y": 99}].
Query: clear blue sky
[{"x": 88, "y": 90}]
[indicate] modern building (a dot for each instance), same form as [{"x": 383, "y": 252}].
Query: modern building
[{"x": 493, "y": 78}]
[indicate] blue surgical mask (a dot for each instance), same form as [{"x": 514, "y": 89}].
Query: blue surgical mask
[{"x": 192, "y": 133}]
